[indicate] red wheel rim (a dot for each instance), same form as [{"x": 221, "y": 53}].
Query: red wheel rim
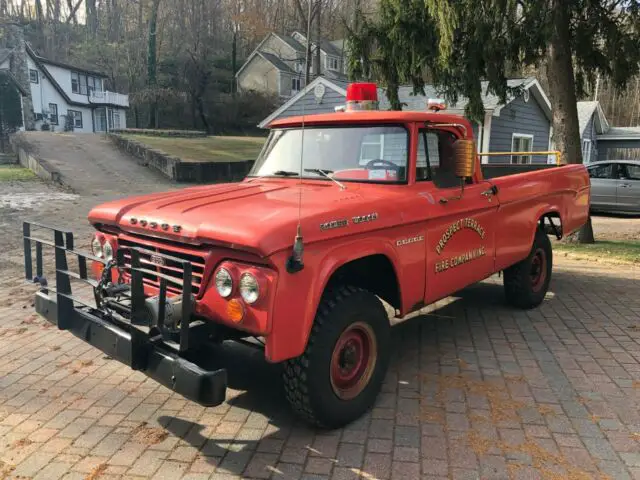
[
  {"x": 353, "y": 360},
  {"x": 538, "y": 270}
]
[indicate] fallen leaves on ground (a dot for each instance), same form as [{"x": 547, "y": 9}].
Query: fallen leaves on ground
[
  {"x": 96, "y": 472},
  {"x": 149, "y": 435}
]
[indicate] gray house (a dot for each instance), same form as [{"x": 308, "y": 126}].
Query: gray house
[
  {"x": 619, "y": 143},
  {"x": 277, "y": 65},
  {"x": 600, "y": 141},
  {"x": 592, "y": 123},
  {"x": 522, "y": 124}
]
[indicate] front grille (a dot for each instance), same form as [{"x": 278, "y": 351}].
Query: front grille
[{"x": 171, "y": 268}]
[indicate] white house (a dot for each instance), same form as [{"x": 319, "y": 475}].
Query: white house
[{"x": 59, "y": 91}]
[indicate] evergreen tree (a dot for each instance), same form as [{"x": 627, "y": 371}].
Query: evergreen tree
[{"x": 459, "y": 43}]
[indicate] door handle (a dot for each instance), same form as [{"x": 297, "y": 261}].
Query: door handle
[
  {"x": 625, "y": 185},
  {"x": 492, "y": 191}
]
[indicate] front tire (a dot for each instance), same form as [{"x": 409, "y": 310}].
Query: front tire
[
  {"x": 339, "y": 375},
  {"x": 526, "y": 283}
]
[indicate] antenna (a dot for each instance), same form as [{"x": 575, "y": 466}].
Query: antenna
[{"x": 295, "y": 263}]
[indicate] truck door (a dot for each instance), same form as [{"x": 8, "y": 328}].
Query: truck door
[{"x": 460, "y": 228}]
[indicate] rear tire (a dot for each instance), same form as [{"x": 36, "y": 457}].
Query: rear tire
[
  {"x": 339, "y": 375},
  {"x": 526, "y": 283}
]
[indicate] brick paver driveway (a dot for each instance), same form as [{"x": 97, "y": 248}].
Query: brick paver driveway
[{"x": 476, "y": 390}]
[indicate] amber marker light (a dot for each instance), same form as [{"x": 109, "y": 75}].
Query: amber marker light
[{"x": 235, "y": 310}]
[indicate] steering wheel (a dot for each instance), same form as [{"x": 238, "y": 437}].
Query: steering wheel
[{"x": 379, "y": 163}]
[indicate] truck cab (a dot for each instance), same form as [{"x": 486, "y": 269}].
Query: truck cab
[{"x": 344, "y": 217}]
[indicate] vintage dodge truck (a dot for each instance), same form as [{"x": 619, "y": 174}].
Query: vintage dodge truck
[{"x": 340, "y": 213}]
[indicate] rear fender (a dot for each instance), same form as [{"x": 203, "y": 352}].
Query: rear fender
[
  {"x": 543, "y": 211},
  {"x": 299, "y": 294}
]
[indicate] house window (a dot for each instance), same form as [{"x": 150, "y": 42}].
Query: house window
[
  {"x": 295, "y": 84},
  {"x": 586, "y": 150},
  {"x": 77, "y": 117},
  {"x": 33, "y": 76},
  {"x": 75, "y": 83},
  {"x": 332, "y": 63},
  {"x": 85, "y": 84},
  {"x": 521, "y": 142},
  {"x": 116, "y": 120},
  {"x": 53, "y": 114}
]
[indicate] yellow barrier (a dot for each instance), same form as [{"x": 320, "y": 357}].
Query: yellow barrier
[{"x": 508, "y": 154}]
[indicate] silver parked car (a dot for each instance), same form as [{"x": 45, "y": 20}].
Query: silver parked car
[{"x": 615, "y": 186}]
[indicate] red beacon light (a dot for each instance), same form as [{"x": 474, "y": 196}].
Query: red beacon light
[
  {"x": 362, "y": 96},
  {"x": 436, "y": 104}
]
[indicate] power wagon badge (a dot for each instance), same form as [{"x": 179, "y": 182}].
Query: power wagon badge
[{"x": 465, "y": 223}]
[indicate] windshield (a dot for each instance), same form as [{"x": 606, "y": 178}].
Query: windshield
[{"x": 353, "y": 153}]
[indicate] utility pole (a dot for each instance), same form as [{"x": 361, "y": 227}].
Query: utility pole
[
  {"x": 308, "y": 60},
  {"x": 595, "y": 96}
]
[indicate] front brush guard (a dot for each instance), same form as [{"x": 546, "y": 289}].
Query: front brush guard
[{"x": 115, "y": 325}]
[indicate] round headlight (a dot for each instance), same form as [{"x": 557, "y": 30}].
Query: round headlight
[
  {"x": 224, "y": 282},
  {"x": 107, "y": 248},
  {"x": 249, "y": 288},
  {"x": 96, "y": 247}
]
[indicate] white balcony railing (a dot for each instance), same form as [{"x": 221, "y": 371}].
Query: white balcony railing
[{"x": 111, "y": 98}]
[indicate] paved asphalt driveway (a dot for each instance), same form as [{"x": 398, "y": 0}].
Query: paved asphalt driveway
[{"x": 475, "y": 390}]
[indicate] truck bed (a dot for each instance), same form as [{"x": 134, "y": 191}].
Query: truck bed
[
  {"x": 490, "y": 171},
  {"x": 528, "y": 192}
]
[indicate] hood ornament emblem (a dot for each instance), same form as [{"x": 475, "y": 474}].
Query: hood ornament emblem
[{"x": 165, "y": 226}]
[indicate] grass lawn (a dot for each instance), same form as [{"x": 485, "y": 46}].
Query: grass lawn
[
  {"x": 15, "y": 173},
  {"x": 605, "y": 251},
  {"x": 205, "y": 149}
]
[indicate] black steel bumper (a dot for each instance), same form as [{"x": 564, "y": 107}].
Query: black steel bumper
[
  {"x": 205, "y": 387},
  {"x": 116, "y": 323}
]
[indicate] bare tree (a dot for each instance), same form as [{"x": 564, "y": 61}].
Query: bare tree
[
  {"x": 73, "y": 10},
  {"x": 92, "y": 16},
  {"x": 152, "y": 60}
]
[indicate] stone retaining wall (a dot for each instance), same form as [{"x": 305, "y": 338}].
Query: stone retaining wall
[
  {"x": 179, "y": 171},
  {"x": 161, "y": 133},
  {"x": 28, "y": 157}
]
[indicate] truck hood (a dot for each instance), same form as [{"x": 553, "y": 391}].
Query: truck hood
[{"x": 256, "y": 215}]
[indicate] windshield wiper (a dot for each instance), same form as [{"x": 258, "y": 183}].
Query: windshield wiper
[
  {"x": 326, "y": 174},
  {"x": 285, "y": 173}
]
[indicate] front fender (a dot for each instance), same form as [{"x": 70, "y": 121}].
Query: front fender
[{"x": 299, "y": 294}]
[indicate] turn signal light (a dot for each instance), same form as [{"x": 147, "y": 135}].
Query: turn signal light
[{"x": 235, "y": 310}]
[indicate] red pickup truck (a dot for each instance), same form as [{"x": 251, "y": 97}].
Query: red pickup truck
[{"x": 341, "y": 212}]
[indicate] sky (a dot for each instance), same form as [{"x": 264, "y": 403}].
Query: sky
[{"x": 80, "y": 14}]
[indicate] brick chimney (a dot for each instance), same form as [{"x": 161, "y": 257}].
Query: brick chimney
[{"x": 14, "y": 40}]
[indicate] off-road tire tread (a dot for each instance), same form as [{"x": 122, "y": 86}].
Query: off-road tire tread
[
  {"x": 516, "y": 277},
  {"x": 295, "y": 372}
]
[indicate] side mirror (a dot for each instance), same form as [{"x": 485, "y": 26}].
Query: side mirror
[{"x": 464, "y": 152}]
